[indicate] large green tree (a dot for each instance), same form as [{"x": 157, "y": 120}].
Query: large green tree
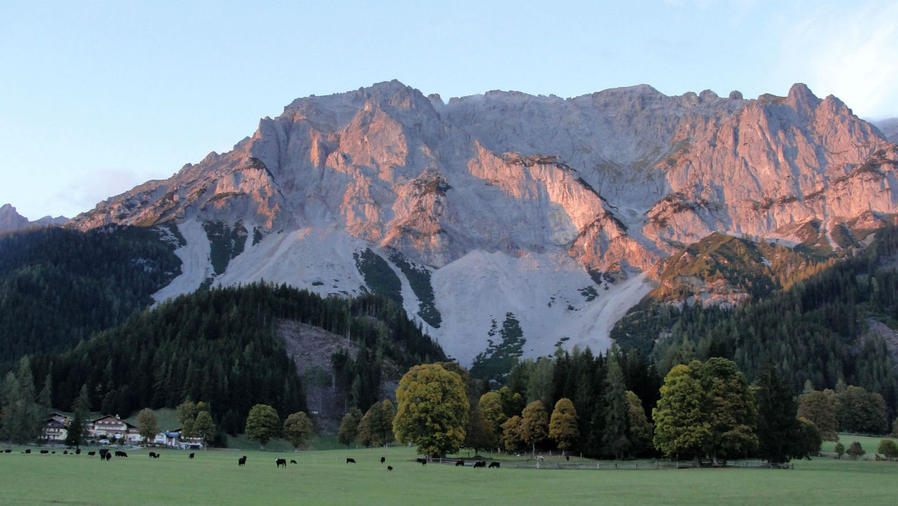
[
  {"x": 861, "y": 411},
  {"x": 563, "y": 427},
  {"x": 682, "y": 426},
  {"x": 490, "y": 407},
  {"x": 778, "y": 427},
  {"x": 376, "y": 426},
  {"x": 820, "y": 408},
  {"x": 511, "y": 434},
  {"x": 262, "y": 423},
  {"x": 147, "y": 424},
  {"x": 433, "y": 409},
  {"x": 730, "y": 405},
  {"x": 349, "y": 427},
  {"x": 297, "y": 428},
  {"x": 204, "y": 426}
]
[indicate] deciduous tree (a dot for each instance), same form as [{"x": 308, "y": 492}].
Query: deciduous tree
[
  {"x": 262, "y": 423},
  {"x": 820, "y": 408},
  {"x": 147, "y": 424},
  {"x": 855, "y": 450},
  {"x": 433, "y": 409},
  {"x": 204, "y": 426},
  {"x": 511, "y": 434},
  {"x": 349, "y": 427},
  {"x": 682, "y": 427},
  {"x": 534, "y": 424},
  {"x": 563, "y": 426},
  {"x": 888, "y": 449},
  {"x": 297, "y": 428},
  {"x": 731, "y": 410}
]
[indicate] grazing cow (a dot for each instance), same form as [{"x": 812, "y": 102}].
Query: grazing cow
[
  {"x": 103, "y": 452},
  {"x": 281, "y": 462},
  {"x": 65, "y": 452},
  {"x": 44, "y": 452},
  {"x": 8, "y": 451},
  {"x": 191, "y": 455},
  {"x": 389, "y": 468},
  {"x": 493, "y": 464},
  {"x": 241, "y": 461},
  {"x": 119, "y": 453},
  {"x": 459, "y": 463},
  {"x": 421, "y": 461},
  {"x": 53, "y": 452},
  {"x": 27, "y": 451},
  {"x": 350, "y": 460},
  {"x": 108, "y": 456},
  {"x": 292, "y": 461},
  {"x": 479, "y": 463},
  {"x": 91, "y": 453},
  {"x": 156, "y": 456},
  {"x": 152, "y": 455},
  {"x": 383, "y": 459},
  {"x": 78, "y": 451}
]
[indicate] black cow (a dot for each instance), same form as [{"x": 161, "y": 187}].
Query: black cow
[
  {"x": 350, "y": 460},
  {"x": 191, "y": 455},
  {"x": 78, "y": 451},
  {"x": 479, "y": 463},
  {"x": 53, "y": 452},
  {"x": 494, "y": 464},
  {"x": 152, "y": 455},
  {"x": 65, "y": 452},
  {"x": 292, "y": 461},
  {"x": 389, "y": 468},
  {"x": 44, "y": 452},
  {"x": 119, "y": 453},
  {"x": 103, "y": 452},
  {"x": 459, "y": 463},
  {"x": 156, "y": 456},
  {"x": 383, "y": 459},
  {"x": 108, "y": 457},
  {"x": 91, "y": 453},
  {"x": 241, "y": 461},
  {"x": 421, "y": 461},
  {"x": 281, "y": 462},
  {"x": 7, "y": 451}
]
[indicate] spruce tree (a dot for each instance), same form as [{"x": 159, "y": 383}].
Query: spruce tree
[
  {"x": 778, "y": 426},
  {"x": 617, "y": 412}
]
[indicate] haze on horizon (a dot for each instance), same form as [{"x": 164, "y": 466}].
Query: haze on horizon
[{"x": 103, "y": 96}]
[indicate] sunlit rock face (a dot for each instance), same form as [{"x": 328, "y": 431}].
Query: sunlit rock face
[{"x": 606, "y": 184}]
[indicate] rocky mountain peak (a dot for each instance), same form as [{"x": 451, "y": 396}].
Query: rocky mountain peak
[{"x": 491, "y": 196}]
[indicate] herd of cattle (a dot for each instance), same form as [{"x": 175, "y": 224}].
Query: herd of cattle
[{"x": 106, "y": 455}]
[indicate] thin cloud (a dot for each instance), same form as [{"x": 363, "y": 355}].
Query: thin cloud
[{"x": 848, "y": 52}]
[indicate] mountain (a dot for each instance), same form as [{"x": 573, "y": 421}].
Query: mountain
[
  {"x": 551, "y": 214},
  {"x": 11, "y": 220},
  {"x": 889, "y": 128}
]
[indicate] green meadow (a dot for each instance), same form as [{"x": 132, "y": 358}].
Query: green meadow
[{"x": 323, "y": 477}]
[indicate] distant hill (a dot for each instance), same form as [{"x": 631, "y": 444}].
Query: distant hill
[
  {"x": 889, "y": 128},
  {"x": 11, "y": 220}
]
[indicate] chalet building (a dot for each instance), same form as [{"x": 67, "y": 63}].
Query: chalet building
[
  {"x": 173, "y": 439},
  {"x": 112, "y": 427},
  {"x": 55, "y": 428}
]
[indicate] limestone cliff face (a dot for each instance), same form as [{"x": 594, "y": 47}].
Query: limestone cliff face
[{"x": 503, "y": 202}]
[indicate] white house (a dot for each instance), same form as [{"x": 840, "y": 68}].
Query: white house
[{"x": 112, "y": 427}]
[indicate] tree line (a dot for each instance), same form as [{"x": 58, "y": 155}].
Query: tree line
[
  {"x": 222, "y": 345},
  {"x": 815, "y": 332}
]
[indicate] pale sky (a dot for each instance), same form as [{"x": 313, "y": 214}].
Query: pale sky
[{"x": 96, "y": 97}]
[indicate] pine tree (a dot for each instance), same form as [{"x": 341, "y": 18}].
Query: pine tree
[
  {"x": 616, "y": 411},
  {"x": 778, "y": 426}
]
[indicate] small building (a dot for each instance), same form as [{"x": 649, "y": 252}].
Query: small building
[
  {"x": 54, "y": 431},
  {"x": 168, "y": 438}
]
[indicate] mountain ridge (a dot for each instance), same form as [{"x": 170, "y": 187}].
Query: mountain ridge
[{"x": 496, "y": 193}]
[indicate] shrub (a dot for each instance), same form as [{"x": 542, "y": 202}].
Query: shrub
[
  {"x": 888, "y": 448},
  {"x": 840, "y": 450},
  {"x": 855, "y": 450}
]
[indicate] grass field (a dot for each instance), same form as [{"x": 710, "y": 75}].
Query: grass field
[
  {"x": 868, "y": 443},
  {"x": 323, "y": 477}
]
